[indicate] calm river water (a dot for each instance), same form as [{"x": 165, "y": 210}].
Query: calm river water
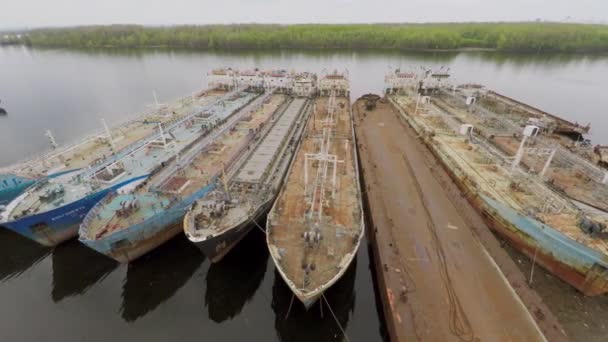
[{"x": 70, "y": 293}]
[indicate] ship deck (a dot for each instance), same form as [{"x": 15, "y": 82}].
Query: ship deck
[
  {"x": 95, "y": 147},
  {"x": 254, "y": 173},
  {"x": 505, "y": 133},
  {"x": 524, "y": 194},
  {"x": 257, "y": 165},
  {"x": 340, "y": 223},
  {"x": 208, "y": 160}
]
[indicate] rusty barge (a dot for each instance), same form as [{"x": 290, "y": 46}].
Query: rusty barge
[{"x": 244, "y": 193}]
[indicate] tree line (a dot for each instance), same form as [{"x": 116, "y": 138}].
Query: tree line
[{"x": 529, "y": 37}]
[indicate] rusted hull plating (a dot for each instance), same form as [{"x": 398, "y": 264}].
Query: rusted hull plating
[{"x": 573, "y": 264}]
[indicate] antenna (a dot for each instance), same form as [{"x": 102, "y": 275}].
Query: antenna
[
  {"x": 162, "y": 135},
  {"x": 155, "y": 98},
  {"x": 51, "y": 138},
  {"x": 108, "y": 134},
  {"x": 156, "y": 103}
]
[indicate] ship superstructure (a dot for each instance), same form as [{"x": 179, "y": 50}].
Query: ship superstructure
[
  {"x": 279, "y": 80},
  {"x": 316, "y": 224}
]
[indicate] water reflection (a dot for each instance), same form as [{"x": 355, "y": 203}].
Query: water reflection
[
  {"x": 316, "y": 324},
  {"x": 156, "y": 277},
  {"x": 532, "y": 59},
  {"x": 546, "y": 81},
  {"x": 233, "y": 281},
  {"x": 17, "y": 254},
  {"x": 439, "y": 56},
  {"x": 76, "y": 268}
]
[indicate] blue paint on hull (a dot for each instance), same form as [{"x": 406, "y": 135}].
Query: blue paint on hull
[
  {"x": 11, "y": 186},
  {"x": 564, "y": 248},
  {"x": 128, "y": 244},
  {"x": 55, "y": 226},
  {"x": 553, "y": 243}
]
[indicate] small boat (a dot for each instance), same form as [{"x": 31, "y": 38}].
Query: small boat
[{"x": 315, "y": 227}]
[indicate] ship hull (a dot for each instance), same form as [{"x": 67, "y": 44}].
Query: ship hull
[
  {"x": 310, "y": 298},
  {"x": 130, "y": 243},
  {"x": 58, "y": 225},
  {"x": 218, "y": 246},
  {"x": 576, "y": 264}
]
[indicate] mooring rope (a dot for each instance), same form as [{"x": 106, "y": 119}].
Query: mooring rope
[
  {"x": 257, "y": 225},
  {"x": 290, "y": 304},
  {"x": 533, "y": 264},
  {"x": 335, "y": 318}
]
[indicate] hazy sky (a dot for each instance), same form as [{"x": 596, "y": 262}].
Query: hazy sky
[{"x": 33, "y": 13}]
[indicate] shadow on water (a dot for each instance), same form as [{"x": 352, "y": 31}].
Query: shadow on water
[
  {"x": 316, "y": 324},
  {"x": 76, "y": 268},
  {"x": 155, "y": 277},
  {"x": 17, "y": 254},
  {"x": 234, "y": 280}
]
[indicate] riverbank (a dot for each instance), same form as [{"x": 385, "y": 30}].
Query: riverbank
[{"x": 534, "y": 37}]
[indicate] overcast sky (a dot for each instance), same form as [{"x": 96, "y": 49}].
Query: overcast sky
[{"x": 35, "y": 13}]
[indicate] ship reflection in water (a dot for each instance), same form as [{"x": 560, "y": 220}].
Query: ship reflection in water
[
  {"x": 317, "y": 324},
  {"x": 157, "y": 276},
  {"x": 233, "y": 281},
  {"x": 17, "y": 254},
  {"x": 76, "y": 268}
]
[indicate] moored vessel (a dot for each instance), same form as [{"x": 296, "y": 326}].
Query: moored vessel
[
  {"x": 89, "y": 149},
  {"x": 508, "y": 165},
  {"x": 315, "y": 226},
  {"x": 127, "y": 225},
  {"x": 51, "y": 210},
  {"x": 218, "y": 221}
]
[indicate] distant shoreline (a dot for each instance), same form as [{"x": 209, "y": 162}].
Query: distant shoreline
[
  {"x": 244, "y": 49},
  {"x": 509, "y": 37}
]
